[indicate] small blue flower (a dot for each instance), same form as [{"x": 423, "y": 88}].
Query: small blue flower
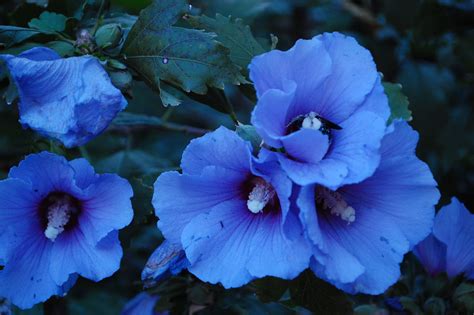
[
  {"x": 142, "y": 304},
  {"x": 58, "y": 220},
  {"x": 450, "y": 248},
  {"x": 167, "y": 260},
  {"x": 231, "y": 213},
  {"x": 69, "y": 99},
  {"x": 323, "y": 104},
  {"x": 362, "y": 231}
]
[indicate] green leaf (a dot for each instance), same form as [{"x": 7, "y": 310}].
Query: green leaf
[
  {"x": 233, "y": 34},
  {"x": 12, "y": 35},
  {"x": 248, "y": 132},
  {"x": 319, "y": 296},
  {"x": 398, "y": 102},
  {"x": 49, "y": 23},
  {"x": 434, "y": 306},
  {"x": 169, "y": 96},
  {"x": 41, "y": 3},
  {"x": 189, "y": 59},
  {"x": 64, "y": 49}
]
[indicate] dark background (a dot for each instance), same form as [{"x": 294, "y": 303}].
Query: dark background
[{"x": 427, "y": 46}]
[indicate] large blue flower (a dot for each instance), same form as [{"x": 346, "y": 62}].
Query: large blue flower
[
  {"x": 450, "y": 248},
  {"x": 58, "y": 220},
  {"x": 322, "y": 103},
  {"x": 70, "y": 99},
  {"x": 360, "y": 232},
  {"x": 230, "y": 213}
]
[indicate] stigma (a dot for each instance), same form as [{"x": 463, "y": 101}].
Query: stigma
[
  {"x": 60, "y": 209},
  {"x": 260, "y": 195},
  {"x": 311, "y": 121},
  {"x": 334, "y": 202}
]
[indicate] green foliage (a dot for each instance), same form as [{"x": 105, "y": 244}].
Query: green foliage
[
  {"x": 49, "y": 23},
  {"x": 12, "y": 35},
  {"x": 248, "y": 132},
  {"x": 233, "y": 34},
  {"x": 463, "y": 297},
  {"x": 398, "y": 102},
  {"x": 187, "y": 58},
  {"x": 108, "y": 35},
  {"x": 319, "y": 296},
  {"x": 270, "y": 289}
]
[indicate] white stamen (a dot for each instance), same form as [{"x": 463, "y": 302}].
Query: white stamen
[
  {"x": 311, "y": 122},
  {"x": 334, "y": 202},
  {"x": 59, "y": 213},
  {"x": 260, "y": 195}
]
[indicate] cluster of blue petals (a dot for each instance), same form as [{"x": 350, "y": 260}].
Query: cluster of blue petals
[
  {"x": 68, "y": 99},
  {"x": 333, "y": 188},
  {"x": 58, "y": 220}
]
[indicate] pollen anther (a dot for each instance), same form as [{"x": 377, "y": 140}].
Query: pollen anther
[
  {"x": 335, "y": 203},
  {"x": 59, "y": 214},
  {"x": 260, "y": 195}
]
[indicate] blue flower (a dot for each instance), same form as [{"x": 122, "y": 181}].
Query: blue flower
[
  {"x": 70, "y": 99},
  {"x": 450, "y": 248},
  {"x": 231, "y": 213},
  {"x": 360, "y": 232},
  {"x": 167, "y": 260},
  {"x": 322, "y": 103},
  {"x": 142, "y": 304},
  {"x": 58, "y": 220}
]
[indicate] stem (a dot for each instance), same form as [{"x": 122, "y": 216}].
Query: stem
[
  {"x": 98, "y": 18},
  {"x": 164, "y": 125}
]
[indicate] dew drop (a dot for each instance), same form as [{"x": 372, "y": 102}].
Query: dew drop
[
  {"x": 190, "y": 7},
  {"x": 165, "y": 60}
]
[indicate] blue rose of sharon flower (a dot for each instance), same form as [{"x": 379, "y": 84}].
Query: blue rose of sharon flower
[
  {"x": 71, "y": 99},
  {"x": 450, "y": 247},
  {"x": 58, "y": 220},
  {"x": 360, "y": 232},
  {"x": 323, "y": 105},
  {"x": 231, "y": 213}
]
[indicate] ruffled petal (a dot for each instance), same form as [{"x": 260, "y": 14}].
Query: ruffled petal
[
  {"x": 454, "y": 226},
  {"x": 221, "y": 147},
  {"x": 307, "y": 63},
  {"x": 70, "y": 99},
  {"x": 402, "y": 188},
  {"x": 432, "y": 255},
  {"x": 26, "y": 280},
  {"x": 352, "y": 78},
  {"x": 46, "y": 172},
  {"x": 357, "y": 146},
  {"x": 306, "y": 145},
  {"x": 106, "y": 207},
  {"x": 270, "y": 116},
  {"x": 73, "y": 253},
  {"x": 178, "y": 198}
]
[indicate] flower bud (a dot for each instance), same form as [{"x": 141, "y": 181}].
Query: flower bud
[{"x": 108, "y": 36}]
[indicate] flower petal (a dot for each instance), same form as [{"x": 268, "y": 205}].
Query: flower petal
[
  {"x": 357, "y": 146},
  {"x": 218, "y": 244},
  {"x": 307, "y": 63},
  {"x": 46, "y": 172},
  {"x": 106, "y": 207},
  {"x": 270, "y": 116},
  {"x": 178, "y": 198},
  {"x": 432, "y": 255},
  {"x": 222, "y": 147},
  {"x": 73, "y": 253},
  {"x": 306, "y": 145},
  {"x": 69, "y": 99},
  {"x": 402, "y": 188},
  {"x": 454, "y": 226},
  {"x": 353, "y": 75},
  {"x": 84, "y": 173},
  {"x": 26, "y": 280},
  {"x": 142, "y": 304}
]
